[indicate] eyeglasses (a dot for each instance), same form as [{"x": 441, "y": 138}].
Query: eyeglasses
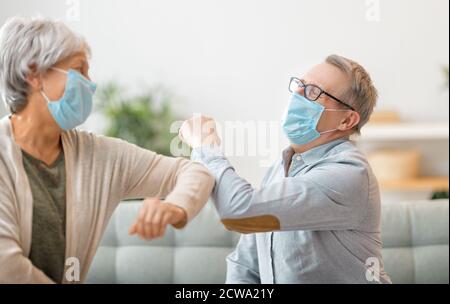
[{"x": 311, "y": 91}]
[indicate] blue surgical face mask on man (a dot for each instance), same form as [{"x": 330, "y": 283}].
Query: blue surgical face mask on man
[
  {"x": 301, "y": 119},
  {"x": 75, "y": 106}
]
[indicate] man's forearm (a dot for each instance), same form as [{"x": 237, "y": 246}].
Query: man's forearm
[{"x": 232, "y": 196}]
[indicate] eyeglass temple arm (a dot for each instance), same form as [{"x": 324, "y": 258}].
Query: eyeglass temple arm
[{"x": 340, "y": 101}]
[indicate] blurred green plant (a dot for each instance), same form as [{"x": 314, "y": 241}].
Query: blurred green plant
[
  {"x": 439, "y": 195},
  {"x": 142, "y": 119},
  {"x": 445, "y": 73},
  {"x": 442, "y": 194}
]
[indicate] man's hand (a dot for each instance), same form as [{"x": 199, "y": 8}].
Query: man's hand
[
  {"x": 154, "y": 217},
  {"x": 199, "y": 131}
]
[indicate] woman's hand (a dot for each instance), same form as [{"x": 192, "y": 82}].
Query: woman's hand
[{"x": 154, "y": 216}]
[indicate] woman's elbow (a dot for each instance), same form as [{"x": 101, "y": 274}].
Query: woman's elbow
[{"x": 208, "y": 180}]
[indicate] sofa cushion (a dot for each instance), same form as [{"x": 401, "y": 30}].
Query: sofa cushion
[
  {"x": 195, "y": 254},
  {"x": 415, "y": 240}
]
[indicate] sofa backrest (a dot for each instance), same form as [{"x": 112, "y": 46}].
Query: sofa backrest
[{"x": 415, "y": 240}]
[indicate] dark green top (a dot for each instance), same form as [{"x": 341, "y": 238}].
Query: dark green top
[{"x": 48, "y": 241}]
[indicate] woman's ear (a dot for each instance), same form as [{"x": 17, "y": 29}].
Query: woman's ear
[
  {"x": 350, "y": 121},
  {"x": 33, "y": 79}
]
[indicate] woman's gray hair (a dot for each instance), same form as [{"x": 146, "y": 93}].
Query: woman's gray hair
[{"x": 32, "y": 45}]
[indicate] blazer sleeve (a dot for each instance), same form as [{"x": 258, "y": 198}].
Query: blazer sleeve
[
  {"x": 15, "y": 267},
  {"x": 143, "y": 173}
]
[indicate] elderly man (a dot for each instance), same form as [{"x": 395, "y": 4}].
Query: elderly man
[{"x": 316, "y": 217}]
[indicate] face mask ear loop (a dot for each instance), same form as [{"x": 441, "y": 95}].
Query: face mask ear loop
[
  {"x": 82, "y": 76},
  {"x": 42, "y": 89},
  {"x": 59, "y": 70},
  {"x": 329, "y": 131},
  {"x": 333, "y": 110},
  {"x": 43, "y": 93},
  {"x": 45, "y": 96}
]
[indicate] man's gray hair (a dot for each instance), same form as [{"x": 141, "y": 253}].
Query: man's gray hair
[
  {"x": 361, "y": 94},
  {"x": 32, "y": 45}
]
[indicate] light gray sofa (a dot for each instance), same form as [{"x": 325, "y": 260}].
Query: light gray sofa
[{"x": 415, "y": 241}]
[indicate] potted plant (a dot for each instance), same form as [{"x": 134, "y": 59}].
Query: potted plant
[{"x": 143, "y": 119}]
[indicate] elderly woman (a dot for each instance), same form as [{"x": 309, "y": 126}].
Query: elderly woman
[{"x": 58, "y": 185}]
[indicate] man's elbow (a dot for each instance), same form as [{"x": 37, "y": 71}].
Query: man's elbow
[
  {"x": 234, "y": 204},
  {"x": 255, "y": 224}
]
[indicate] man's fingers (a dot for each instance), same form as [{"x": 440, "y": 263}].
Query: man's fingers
[
  {"x": 180, "y": 132},
  {"x": 194, "y": 129}
]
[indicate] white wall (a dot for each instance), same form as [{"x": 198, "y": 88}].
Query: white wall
[{"x": 232, "y": 59}]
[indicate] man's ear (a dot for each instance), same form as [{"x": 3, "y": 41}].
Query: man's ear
[
  {"x": 350, "y": 121},
  {"x": 33, "y": 78}
]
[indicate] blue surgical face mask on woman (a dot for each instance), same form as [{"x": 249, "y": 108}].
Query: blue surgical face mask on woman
[
  {"x": 301, "y": 119},
  {"x": 75, "y": 106}
]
